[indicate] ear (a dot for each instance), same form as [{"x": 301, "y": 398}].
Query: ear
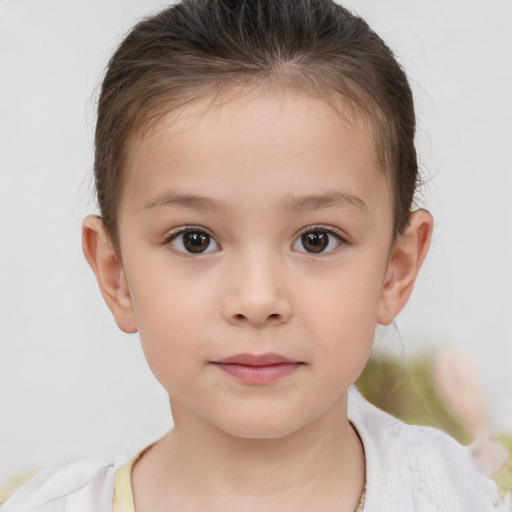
[
  {"x": 405, "y": 262},
  {"x": 107, "y": 267}
]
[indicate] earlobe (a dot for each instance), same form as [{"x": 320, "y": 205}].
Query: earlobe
[
  {"x": 107, "y": 267},
  {"x": 405, "y": 262}
]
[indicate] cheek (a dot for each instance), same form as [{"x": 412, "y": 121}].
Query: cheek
[
  {"x": 172, "y": 317},
  {"x": 342, "y": 319},
  {"x": 345, "y": 334}
]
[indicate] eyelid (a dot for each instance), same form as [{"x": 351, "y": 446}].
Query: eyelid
[{"x": 182, "y": 229}]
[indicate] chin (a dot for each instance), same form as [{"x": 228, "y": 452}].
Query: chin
[
  {"x": 262, "y": 433},
  {"x": 260, "y": 427}
]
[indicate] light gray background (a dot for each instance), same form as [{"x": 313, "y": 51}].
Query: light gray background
[{"x": 70, "y": 382}]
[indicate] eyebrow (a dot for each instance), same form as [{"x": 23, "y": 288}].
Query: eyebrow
[
  {"x": 291, "y": 203},
  {"x": 189, "y": 201},
  {"x": 330, "y": 199}
]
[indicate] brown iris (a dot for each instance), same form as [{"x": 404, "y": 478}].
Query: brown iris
[
  {"x": 196, "y": 241},
  {"x": 315, "y": 241}
]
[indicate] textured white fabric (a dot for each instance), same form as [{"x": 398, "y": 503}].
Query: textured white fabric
[
  {"x": 83, "y": 486},
  {"x": 411, "y": 468},
  {"x": 408, "y": 469}
]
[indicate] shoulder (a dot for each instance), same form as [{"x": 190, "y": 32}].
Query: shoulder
[
  {"x": 82, "y": 486},
  {"x": 419, "y": 467}
]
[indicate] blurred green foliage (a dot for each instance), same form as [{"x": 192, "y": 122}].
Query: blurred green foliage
[
  {"x": 504, "y": 476},
  {"x": 408, "y": 391}
]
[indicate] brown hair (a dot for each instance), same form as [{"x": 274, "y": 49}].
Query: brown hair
[{"x": 198, "y": 47}]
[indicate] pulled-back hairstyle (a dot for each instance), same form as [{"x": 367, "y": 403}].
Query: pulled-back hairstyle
[{"x": 196, "y": 48}]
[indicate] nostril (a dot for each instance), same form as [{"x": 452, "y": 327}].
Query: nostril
[
  {"x": 256, "y": 312},
  {"x": 272, "y": 317}
]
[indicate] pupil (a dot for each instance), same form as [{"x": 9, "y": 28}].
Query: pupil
[
  {"x": 315, "y": 241},
  {"x": 195, "y": 241}
]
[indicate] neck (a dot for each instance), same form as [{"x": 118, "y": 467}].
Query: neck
[{"x": 323, "y": 459}]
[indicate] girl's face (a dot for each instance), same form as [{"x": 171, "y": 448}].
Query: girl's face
[{"x": 255, "y": 239}]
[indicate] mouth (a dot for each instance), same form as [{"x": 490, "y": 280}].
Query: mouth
[{"x": 258, "y": 369}]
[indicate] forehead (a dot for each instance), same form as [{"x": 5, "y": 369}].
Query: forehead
[{"x": 254, "y": 145}]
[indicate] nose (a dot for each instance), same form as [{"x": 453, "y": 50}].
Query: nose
[{"x": 256, "y": 296}]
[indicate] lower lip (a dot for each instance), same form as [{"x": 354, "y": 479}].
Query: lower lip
[{"x": 258, "y": 374}]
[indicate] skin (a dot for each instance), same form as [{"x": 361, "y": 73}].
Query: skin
[{"x": 267, "y": 168}]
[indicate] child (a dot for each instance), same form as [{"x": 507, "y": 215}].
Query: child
[{"x": 255, "y": 170}]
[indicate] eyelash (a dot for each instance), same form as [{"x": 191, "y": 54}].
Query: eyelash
[{"x": 298, "y": 240}]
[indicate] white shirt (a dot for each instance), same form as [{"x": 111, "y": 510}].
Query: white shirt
[{"x": 408, "y": 469}]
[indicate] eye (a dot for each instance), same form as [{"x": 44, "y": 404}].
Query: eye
[
  {"x": 317, "y": 240},
  {"x": 193, "y": 241}
]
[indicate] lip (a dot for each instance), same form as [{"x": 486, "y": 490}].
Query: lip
[
  {"x": 255, "y": 359},
  {"x": 257, "y": 369}
]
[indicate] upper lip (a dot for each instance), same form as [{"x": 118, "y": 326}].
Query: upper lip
[{"x": 255, "y": 360}]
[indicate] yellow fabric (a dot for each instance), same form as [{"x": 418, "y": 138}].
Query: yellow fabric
[
  {"x": 13, "y": 483},
  {"x": 123, "y": 494},
  {"x": 360, "y": 507}
]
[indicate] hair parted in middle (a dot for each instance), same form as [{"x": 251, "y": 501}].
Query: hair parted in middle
[{"x": 197, "y": 48}]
